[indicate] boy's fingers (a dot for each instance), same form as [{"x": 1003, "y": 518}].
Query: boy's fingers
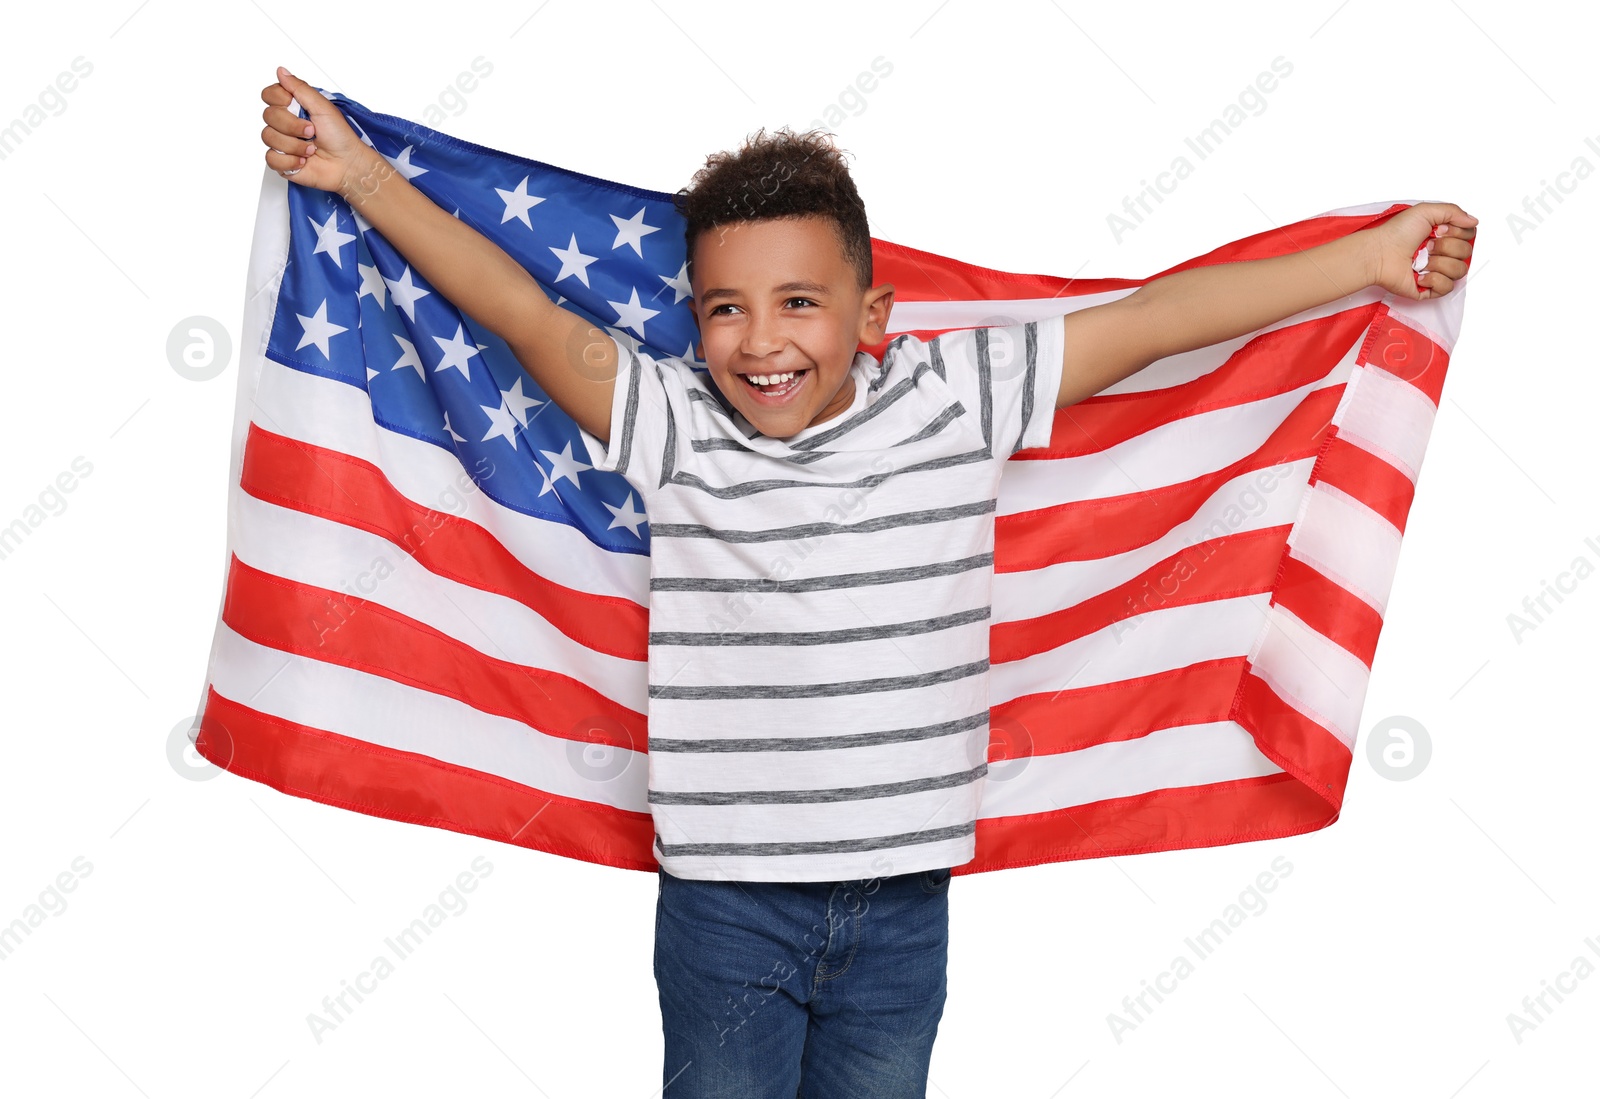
[
  {"x": 308, "y": 97},
  {"x": 1455, "y": 247},
  {"x": 286, "y": 122},
  {"x": 1444, "y": 265},
  {"x": 284, "y": 143}
]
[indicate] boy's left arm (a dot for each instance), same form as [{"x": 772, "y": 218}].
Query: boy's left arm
[{"x": 1106, "y": 343}]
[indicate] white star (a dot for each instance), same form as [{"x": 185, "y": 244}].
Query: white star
[
  {"x": 362, "y": 224},
  {"x": 407, "y": 293},
  {"x": 362, "y": 134},
  {"x": 626, "y": 516},
  {"x": 565, "y": 465},
  {"x": 518, "y": 203},
  {"x": 501, "y": 423},
  {"x": 330, "y": 238},
  {"x": 548, "y": 485},
  {"x": 573, "y": 262},
  {"x": 514, "y": 400},
  {"x": 409, "y": 357},
  {"x": 317, "y": 329},
  {"x": 688, "y": 355},
  {"x": 632, "y": 230},
  {"x": 457, "y": 353},
  {"x": 630, "y": 314},
  {"x": 371, "y": 373},
  {"x": 679, "y": 283},
  {"x": 404, "y": 165},
  {"x": 452, "y": 431},
  {"x": 372, "y": 283}
]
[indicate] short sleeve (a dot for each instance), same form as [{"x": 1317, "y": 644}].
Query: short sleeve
[
  {"x": 643, "y": 424},
  {"x": 1008, "y": 377}
]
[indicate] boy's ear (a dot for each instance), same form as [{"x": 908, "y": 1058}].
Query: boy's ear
[{"x": 875, "y": 320}]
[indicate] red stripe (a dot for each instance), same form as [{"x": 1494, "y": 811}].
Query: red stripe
[
  {"x": 1219, "y": 568},
  {"x": 1366, "y": 477},
  {"x": 1271, "y": 364},
  {"x": 1087, "y": 530},
  {"x": 384, "y": 782},
  {"x": 1405, "y": 353},
  {"x": 1329, "y": 609},
  {"x": 926, "y": 276},
  {"x": 1264, "y": 808},
  {"x": 329, "y": 625},
  {"x": 1293, "y": 741},
  {"x": 337, "y": 486},
  {"x": 1070, "y": 720}
]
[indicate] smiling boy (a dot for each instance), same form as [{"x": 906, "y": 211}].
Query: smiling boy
[{"x": 822, "y": 535}]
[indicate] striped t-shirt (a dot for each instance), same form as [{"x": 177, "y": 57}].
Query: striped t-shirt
[{"x": 820, "y": 605}]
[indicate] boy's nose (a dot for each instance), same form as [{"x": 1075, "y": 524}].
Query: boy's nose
[{"x": 761, "y": 336}]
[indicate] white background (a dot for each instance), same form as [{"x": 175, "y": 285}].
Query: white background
[{"x": 218, "y": 914}]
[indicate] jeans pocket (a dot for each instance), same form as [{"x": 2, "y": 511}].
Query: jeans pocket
[{"x": 936, "y": 881}]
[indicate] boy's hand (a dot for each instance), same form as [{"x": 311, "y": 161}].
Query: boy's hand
[
  {"x": 323, "y": 152},
  {"x": 1444, "y": 229}
]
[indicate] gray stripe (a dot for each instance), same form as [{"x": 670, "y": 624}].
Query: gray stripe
[
  {"x": 877, "y": 408},
  {"x": 634, "y": 370},
  {"x": 826, "y": 637},
  {"x": 773, "y": 484},
  {"x": 669, "y": 452},
  {"x": 817, "y": 847},
  {"x": 823, "y": 690},
  {"x": 985, "y": 393},
  {"x": 1031, "y": 333},
  {"x": 809, "y": 797},
  {"x": 813, "y": 530},
  {"x": 936, "y": 353},
  {"x": 938, "y": 424},
  {"x": 817, "y": 743},
  {"x": 821, "y": 583}
]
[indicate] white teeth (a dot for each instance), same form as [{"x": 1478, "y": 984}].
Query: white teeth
[{"x": 771, "y": 379}]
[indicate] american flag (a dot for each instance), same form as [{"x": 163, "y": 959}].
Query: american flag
[{"x": 434, "y": 608}]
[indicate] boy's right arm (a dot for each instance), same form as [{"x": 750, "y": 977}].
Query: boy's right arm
[{"x": 573, "y": 361}]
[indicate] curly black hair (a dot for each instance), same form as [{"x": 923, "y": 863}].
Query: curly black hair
[{"x": 780, "y": 175}]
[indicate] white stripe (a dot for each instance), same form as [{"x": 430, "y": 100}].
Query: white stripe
[
  {"x": 1316, "y": 676},
  {"x": 338, "y": 416},
  {"x": 1349, "y": 543},
  {"x": 326, "y": 554},
  {"x": 394, "y": 715},
  {"x": 1163, "y": 373},
  {"x": 1185, "y": 755},
  {"x": 1169, "y": 454},
  {"x": 1255, "y": 500},
  {"x": 1387, "y": 416},
  {"x": 1144, "y": 645}
]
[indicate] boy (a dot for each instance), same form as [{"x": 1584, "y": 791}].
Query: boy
[{"x": 821, "y": 561}]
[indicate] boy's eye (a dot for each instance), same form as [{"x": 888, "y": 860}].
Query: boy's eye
[{"x": 715, "y": 309}]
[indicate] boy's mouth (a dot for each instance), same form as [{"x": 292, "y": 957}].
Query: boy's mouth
[{"x": 776, "y": 388}]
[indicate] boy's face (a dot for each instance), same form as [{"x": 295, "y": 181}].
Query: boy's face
[{"x": 778, "y": 296}]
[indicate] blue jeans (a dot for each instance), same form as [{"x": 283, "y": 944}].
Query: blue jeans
[{"x": 801, "y": 989}]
